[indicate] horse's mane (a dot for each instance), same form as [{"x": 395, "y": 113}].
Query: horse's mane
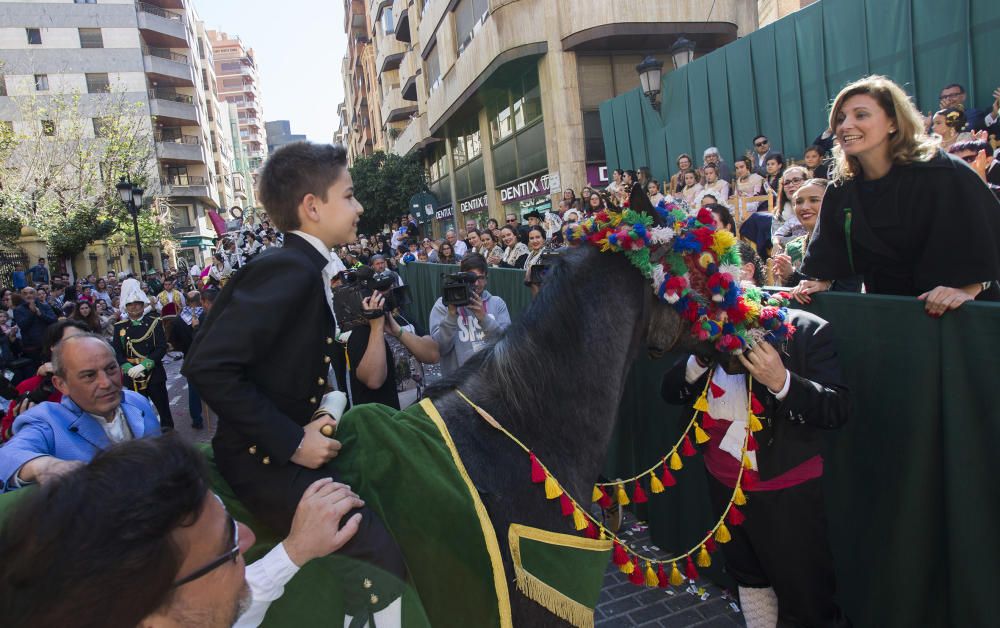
[{"x": 527, "y": 361}]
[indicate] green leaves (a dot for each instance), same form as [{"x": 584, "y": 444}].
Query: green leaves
[{"x": 383, "y": 184}]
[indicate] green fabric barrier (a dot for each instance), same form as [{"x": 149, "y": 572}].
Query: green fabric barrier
[
  {"x": 608, "y": 122},
  {"x": 636, "y": 128},
  {"x": 780, "y": 79}
]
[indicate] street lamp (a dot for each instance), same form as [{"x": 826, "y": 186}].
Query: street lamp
[
  {"x": 132, "y": 198},
  {"x": 650, "y": 71},
  {"x": 682, "y": 52}
]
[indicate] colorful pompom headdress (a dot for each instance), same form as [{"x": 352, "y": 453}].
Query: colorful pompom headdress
[{"x": 695, "y": 268}]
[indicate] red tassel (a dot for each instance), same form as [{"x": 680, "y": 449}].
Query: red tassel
[
  {"x": 707, "y": 421},
  {"x": 716, "y": 390},
  {"x": 639, "y": 496},
  {"x": 537, "y": 472},
  {"x": 710, "y": 545},
  {"x": 751, "y": 443},
  {"x": 637, "y": 577},
  {"x": 689, "y": 570},
  {"x": 687, "y": 449},
  {"x": 667, "y": 478},
  {"x": 735, "y": 517},
  {"x": 661, "y": 576},
  {"x": 618, "y": 554},
  {"x": 748, "y": 481},
  {"x": 605, "y": 500},
  {"x": 755, "y": 405},
  {"x": 591, "y": 530},
  {"x": 566, "y": 505}
]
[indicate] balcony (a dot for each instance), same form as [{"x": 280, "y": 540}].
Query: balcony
[
  {"x": 390, "y": 52},
  {"x": 409, "y": 70},
  {"x": 415, "y": 136},
  {"x": 167, "y": 67},
  {"x": 354, "y": 15},
  {"x": 401, "y": 9},
  {"x": 187, "y": 185},
  {"x": 172, "y": 108},
  {"x": 394, "y": 108},
  {"x": 183, "y": 149},
  {"x": 160, "y": 27}
]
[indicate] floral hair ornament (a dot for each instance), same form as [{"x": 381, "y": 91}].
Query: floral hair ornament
[{"x": 694, "y": 267}]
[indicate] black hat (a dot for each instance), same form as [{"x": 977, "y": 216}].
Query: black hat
[{"x": 533, "y": 214}]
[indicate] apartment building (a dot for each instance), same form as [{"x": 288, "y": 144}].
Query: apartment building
[
  {"x": 500, "y": 97},
  {"x": 773, "y": 10},
  {"x": 154, "y": 53},
  {"x": 279, "y": 133},
  {"x": 364, "y": 132},
  {"x": 238, "y": 82}
]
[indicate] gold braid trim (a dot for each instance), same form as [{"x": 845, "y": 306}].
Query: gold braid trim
[{"x": 130, "y": 342}]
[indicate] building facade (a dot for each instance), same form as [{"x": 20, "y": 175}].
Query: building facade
[
  {"x": 773, "y": 10},
  {"x": 153, "y": 53},
  {"x": 361, "y": 124},
  {"x": 279, "y": 133},
  {"x": 239, "y": 83},
  {"x": 500, "y": 97}
]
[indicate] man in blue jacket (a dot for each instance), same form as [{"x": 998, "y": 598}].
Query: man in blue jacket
[{"x": 52, "y": 439}]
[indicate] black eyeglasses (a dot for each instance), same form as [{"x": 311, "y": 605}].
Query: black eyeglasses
[
  {"x": 758, "y": 144},
  {"x": 231, "y": 555},
  {"x": 510, "y": 220},
  {"x": 969, "y": 159}
]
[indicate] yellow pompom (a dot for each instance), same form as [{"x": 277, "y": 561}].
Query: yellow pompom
[
  {"x": 722, "y": 534},
  {"x": 723, "y": 241},
  {"x": 738, "y": 497},
  {"x": 552, "y": 489},
  {"x": 700, "y": 436},
  {"x": 597, "y": 495},
  {"x": 676, "y": 579},
  {"x": 651, "y": 579},
  {"x": 675, "y": 461},
  {"x": 755, "y": 424},
  {"x": 704, "y": 559},
  {"x": 701, "y": 405},
  {"x": 655, "y": 485},
  {"x": 579, "y": 521},
  {"x": 627, "y": 568},
  {"x": 622, "y": 496}
]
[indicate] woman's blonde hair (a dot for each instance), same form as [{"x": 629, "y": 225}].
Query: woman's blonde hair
[{"x": 907, "y": 144}]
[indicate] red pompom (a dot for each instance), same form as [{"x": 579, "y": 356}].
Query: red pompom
[
  {"x": 735, "y": 517},
  {"x": 537, "y": 472},
  {"x": 639, "y": 496},
  {"x": 705, "y": 216},
  {"x": 687, "y": 449},
  {"x": 689, "y": 571},
  {"x": 566, "y": 504}
]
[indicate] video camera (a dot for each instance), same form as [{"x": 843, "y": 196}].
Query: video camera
[
  {"x": 358, "y": 284},
  {"x": 537, "y": 273},
  {"x": 456, "y": 288}
]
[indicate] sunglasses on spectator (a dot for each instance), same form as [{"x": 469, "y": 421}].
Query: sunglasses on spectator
[
  {"x": 231, "y": 555},
  {"x": 511, "y": 220},
  {"x": 760, "y": 143}
]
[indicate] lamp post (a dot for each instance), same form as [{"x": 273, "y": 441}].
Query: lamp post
[
  {"x": 132, "y": 198},
  {"x": 650, "y": 72},
  {"x": 682, "y": 52}
]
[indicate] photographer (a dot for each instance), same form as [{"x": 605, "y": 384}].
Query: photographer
[{"x": 462, "y": 330}]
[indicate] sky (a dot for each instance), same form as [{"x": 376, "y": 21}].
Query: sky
[{"x": 299, "y": 46}]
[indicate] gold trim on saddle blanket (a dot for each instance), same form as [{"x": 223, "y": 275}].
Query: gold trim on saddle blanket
[
  {"x": 489, "y": 534},
  {"x": 535, "y": 589}
]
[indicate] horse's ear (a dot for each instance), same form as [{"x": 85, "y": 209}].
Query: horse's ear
[{"x": 638, "y": 201}]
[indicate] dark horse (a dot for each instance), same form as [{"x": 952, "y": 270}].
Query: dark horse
[{"x": 554, "y": 379}]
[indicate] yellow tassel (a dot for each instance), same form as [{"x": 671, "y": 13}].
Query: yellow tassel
[
  {"x": 704, "y": 559},
  {"x": 747, "y": 464},
  {"x": 738, "y": 497},
  {"x": 622, "y": 496},
  {"x": 655, "y": 485},
  {"x": 604, "y": 536},
  {"x": 596, "y": 496},
  {"x": 552, "y": 489},
  {"x": 676, "y": 579},
  {"x": 755, "y": 424},
  {"x": 651, "y": 579},
  {"x": 675, "y": 461},
  {"x": 627, "y": 568},
  {"x": 701, "y": 405},
  {"x": 579, "y": 521},
  {"x": 722, "y": 534},
  {"x": 700, "y": 436}
]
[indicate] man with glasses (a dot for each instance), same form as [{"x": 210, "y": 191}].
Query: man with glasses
[
  {"x": 462, "y": 331},
  {"x": 981, "y": 158},
  {"x": 762, "y": 152},
  {"x": 159, "y": 547}
]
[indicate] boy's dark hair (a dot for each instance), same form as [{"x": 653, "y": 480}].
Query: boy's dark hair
[
  {"x": 94, "y": 548},
  {"x": 293, "y": 171},
  {"x": 473, "y": 261}
]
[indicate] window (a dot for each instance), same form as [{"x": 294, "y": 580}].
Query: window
[
  {"x": 48, "y": 128},
  {"x": 41, "y": 82},
  {"x": 516, "y": 109},
  {"x": 91, "y": 38},
  {"x": 593, "y": 138},
  {"x": 98, "y": 83},
  {"x": 180, "y": 215},
  {"x": 84, "y": 1},
  {"x": 34, "y": 36},
  {"x": 3, "y": 85},
  {"x": 469, "y": 14},
  {"x": 433, "y": 68},
  {"x": 101, "y": 127},
  {"x": 388, "y": 24}
]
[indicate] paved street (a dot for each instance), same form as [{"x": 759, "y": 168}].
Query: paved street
[{"x": 622, "y": 603}]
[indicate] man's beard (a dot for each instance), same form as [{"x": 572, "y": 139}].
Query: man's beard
[{"x": 243, "y": 603}]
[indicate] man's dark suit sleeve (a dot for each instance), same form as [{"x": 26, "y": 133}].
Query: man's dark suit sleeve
[
  {"x": 675, "y": 390},
  {"x": 817, "y": 396},
  {"x": 241, "y": 333}
]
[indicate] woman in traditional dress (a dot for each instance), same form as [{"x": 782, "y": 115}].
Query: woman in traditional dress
[{"x": 516, "y": 252}]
